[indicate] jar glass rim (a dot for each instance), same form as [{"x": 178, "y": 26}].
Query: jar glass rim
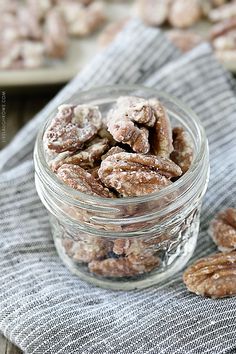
[{"x": 73, "y": 196}]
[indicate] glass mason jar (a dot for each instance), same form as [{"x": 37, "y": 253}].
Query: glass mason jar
[{"x": 156, "y": 232}]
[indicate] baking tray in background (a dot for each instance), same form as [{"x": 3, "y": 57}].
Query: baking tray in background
[{"x": 80, "y": 52}]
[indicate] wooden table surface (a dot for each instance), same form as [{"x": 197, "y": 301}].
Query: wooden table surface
[{"x": 21, "y": 106}]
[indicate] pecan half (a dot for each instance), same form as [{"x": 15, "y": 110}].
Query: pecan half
[
  {"x": 183, "y": 149},
  {"x": 161, "y": 132},
  {"x": 223, "y": 230},
  {"x": 128, "y": 120},
  {"x": 85, "y": 158},
  {"x": 114, "y": 150},
  {"x": 82, "y": 20},
  {"x": 137, "y": 174},
  {"x": 55, "y": 38},
  {"x": 77, "y": 178},
  {"x": 140, "y": 246},
  {"x": 86, "y": 249},
  {"x": 125, "y": 266},
  {"x": 223, "y": 12},
  {"x": 153, "y": 12},
  {"x": 213, "y": 276},
  {"x": 208, "y": 5},
  {"x": 223, "y": 27},
  {"x": 72, "y": 127},
  {"x": 184, "y": 13},
  {"x": 226, "y": 42}
]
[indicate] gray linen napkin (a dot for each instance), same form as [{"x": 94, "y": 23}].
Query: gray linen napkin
[{"x": 45, "y": 309}]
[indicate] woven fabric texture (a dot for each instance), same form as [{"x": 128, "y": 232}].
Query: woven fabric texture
[{"x": 45, "y": 309}]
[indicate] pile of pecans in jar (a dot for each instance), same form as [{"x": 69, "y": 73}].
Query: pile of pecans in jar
[
  {"x": 133, "y": 151},
  {"x": 130, "y": 151}
]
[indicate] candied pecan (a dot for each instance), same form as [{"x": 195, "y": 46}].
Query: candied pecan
[
  {"x": 77, "y": 178},
  {"x": 23, "y": 54},
  {"x": 126, "y": 162},
  {"x": 39, "y": 8},
  {"x": 208, "y": 5},
  {"x": 226, "y": 42},
  {"x": 82, "y": 20},
  {"x": 136, "y": 183},
  {"x": 183, "y": 149},
  {"x": 125, "y": 266},
  {"x": 223, "y": 12},
  {"x": 184, "y": 13},
  {"x": 223, "y": 230},
  {"x": 137, "y": 174},
  {"x": 223, "y": 27},
  {"x": 137, "y": 247},
  {"x": 72, "y": 127},
  {"x": 29, "y": 26},
  {"x": 213, "y": 276},
  {"x": 110, "y": 32},
  {"x": 161, "y": 134},
  {"x": 122, "y": 122},
  {"x": 85, "y": 158},
  {"x": 153, "y": 12},
  {"x": 86, "y": 249},
  {"x": 184, "y": 40},
  {"x": 114, "y": 150},
  {"x": 54, "y": 159},
  {"x": 55, "y": 38}
]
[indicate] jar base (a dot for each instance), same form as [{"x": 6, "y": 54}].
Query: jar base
[{"x": 157, "y": 277}]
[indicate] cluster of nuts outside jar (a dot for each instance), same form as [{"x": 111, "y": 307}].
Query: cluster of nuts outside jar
[
  {"x": 183, "y": 14},
  {"x": 33, "y": 32}
]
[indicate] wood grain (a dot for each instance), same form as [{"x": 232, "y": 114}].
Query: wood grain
[{"x": 21, "y": 106}]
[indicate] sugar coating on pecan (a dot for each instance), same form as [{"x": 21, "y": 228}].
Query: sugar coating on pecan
[
  {"x": 128, "y": 121},
  {"x": 29, "y": 25},
  {"x": 55, "y": 37},
  {"x": 226, "y": 42},
  {"x": 161, "y": 142},
  {"x": 86, "y": 249},
  {"x": 82, "y": 20},
  {"x": 86, "y": 158},
  {"x": 183, "y": 149},
  {"x": 81, "y": 180},
  {"x": 137, "y": 174},
  {"x": 223, "y": 12},
  {"x": 223, "y": 230},
  {"x": 124, "y": 266},
  {"x": 184, "y": 13},
  {"x": 213, "y": 276},
  {"x": 153, "y": 12},
  {"x": 114, "y": 150},
  {"x": 208, "y": 5},
  {"x": 124, "y": 246},
  {"x": 72, "y": 127},
  {"x": 223, "y": 27}
]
